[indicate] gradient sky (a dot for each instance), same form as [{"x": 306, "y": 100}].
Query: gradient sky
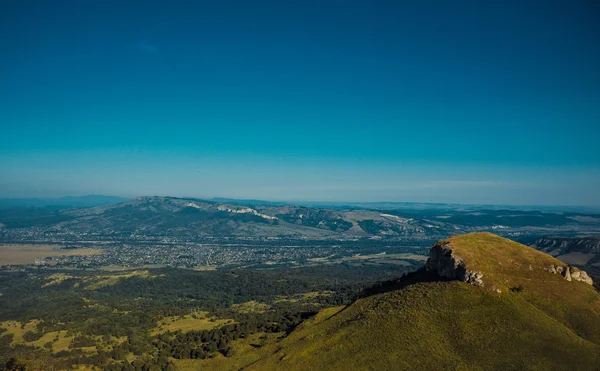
[{"x": 431, "y": 101}]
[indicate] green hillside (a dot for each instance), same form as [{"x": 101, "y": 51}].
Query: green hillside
[{"x": 539, "y": 321}]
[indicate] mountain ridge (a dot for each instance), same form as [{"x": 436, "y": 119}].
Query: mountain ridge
[
  {"x": 192, "y": 217},
  {"x": 65, "y": 202}
]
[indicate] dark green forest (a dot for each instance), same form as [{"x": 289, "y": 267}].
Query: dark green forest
[{"x": 132, "y": 307}]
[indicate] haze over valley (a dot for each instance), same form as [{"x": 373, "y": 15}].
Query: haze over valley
[
  {"x": 299, "y": 185},
  {"x": 200, "y": 234}
]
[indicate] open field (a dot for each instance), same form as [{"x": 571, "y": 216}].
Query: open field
[
  {"x": 118, "y": 268},
  {"x": 381, "y": 258},
  {"x": 388, "y": 257},
  {"x": 251, "y": 307},
  {"x": 307, "y": 297},
  {"x": 189, "y": 323},
  {"x": 16, "y": 254},
  {"x": 110, "y": 280},
  {"x": 59, "y": 339},
  {"x": 245, "y": 352},
  {"x": 205, "y": 268},
  {"x": 98, "y": 281},
  {"x": 56, "y": 278},
  {"x": 18, "y": 329}
]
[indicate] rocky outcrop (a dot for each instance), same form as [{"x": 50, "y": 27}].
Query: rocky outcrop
[
  {"x": 445, "y": 263},
  {"x": 579, "y": 275},
  {"x": 570, "y": 273}
]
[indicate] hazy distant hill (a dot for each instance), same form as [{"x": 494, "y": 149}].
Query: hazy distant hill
[
  {"x": 63, "y": 202},
  {"x": 526, "y": 316},
  {"x": 168, "y": 215},
  {"x": 195, "y": 217}
]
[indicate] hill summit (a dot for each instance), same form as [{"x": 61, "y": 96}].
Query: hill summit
[
  {"x": 477, "y": 258},
  {"x": 482, "y": 302}
]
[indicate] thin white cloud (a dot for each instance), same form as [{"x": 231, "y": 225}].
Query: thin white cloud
[
  {"x": 463, "y": 183},
  {"x": 396, "y": 186},
  {"x": 481, "y": 184},
  {"x": 147, "y": 47}
]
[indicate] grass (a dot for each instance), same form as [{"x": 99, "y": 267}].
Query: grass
[
  {"x": 62, "y": 343},
  {"x": 245, "y": 352},
  {"x": 548, "y": 323},
  {"x": 205, "y": 268},
  {"x": 251, "y": 307},
  {"x": 506, "y": 264},
  {"x": 387, "y": 257},
  {"x": 98, "y": 282},
  {"x": 189, "y": 323},
  {"x": 305, "y": 298},
  {"x": 120, "y": 268},
  {"x": 57, "y": 278},
  {"x": 59, "y": 339},
  {"x": 434, "y": 326},
  {"x": 17, "y": 329},
  {"x": 371, "y": 258}
]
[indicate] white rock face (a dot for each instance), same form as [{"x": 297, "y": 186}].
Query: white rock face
[
  {"x": 445, "y": 263},
  {"x": 582, "y": 276},
  {"x": 570, "y": 273},
  {"x": 245, "y": 210},
  {"x": 395, "y": 217}
]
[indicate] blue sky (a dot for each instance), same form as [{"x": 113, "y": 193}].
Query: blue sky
[{"x": 464, "y": 101}]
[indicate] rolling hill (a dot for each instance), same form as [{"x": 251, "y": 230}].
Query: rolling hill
[{"x": 522, "y": 312}]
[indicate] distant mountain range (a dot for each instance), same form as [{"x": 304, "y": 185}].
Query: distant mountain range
[
  {"x": 223, "y": 218},
  {"x": 396, "y": 205},
  {"x": 62, "y": 202}
]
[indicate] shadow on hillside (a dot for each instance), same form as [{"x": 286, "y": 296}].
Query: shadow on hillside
[{"x": 420, "y": 275}]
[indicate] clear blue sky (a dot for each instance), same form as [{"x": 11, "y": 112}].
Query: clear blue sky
[{"x": 445, "y": 101}]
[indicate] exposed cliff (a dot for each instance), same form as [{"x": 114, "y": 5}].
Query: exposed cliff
[{"x": 445, "y": 263}]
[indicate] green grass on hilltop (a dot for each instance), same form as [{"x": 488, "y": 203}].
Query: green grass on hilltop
[
  {"x": 547, "y": 324},
  {"x": 507, "y": 265}
]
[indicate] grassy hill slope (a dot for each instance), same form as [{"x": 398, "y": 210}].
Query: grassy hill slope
[{"x": 544, "y": 323}]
